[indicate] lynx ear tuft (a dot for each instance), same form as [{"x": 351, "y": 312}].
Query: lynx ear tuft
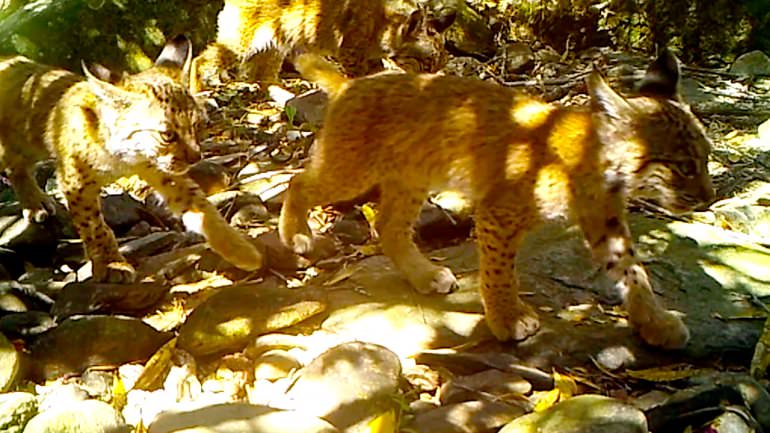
[
  {"x": 662, "y": 77},
  {"x": 604, "y": 99}
]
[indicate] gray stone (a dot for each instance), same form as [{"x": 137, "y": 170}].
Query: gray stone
[
  {"x": 752, "y": 63},
  {"x": 582, "y": 414},
  {"x": 10, "y": 363},
  {"x": 488, "y": 382},
  {"x": 467, "y": 417},
  {"x": 310, "y": 107},
  {"x": 89, "y": 297},
  {"x": 89, "y": 416},
  {"x": 16, "y": 409},
  {"x": 101, "y": 340},
  {"x": 729, "y": 422},
  {"x": 348, "y": 385},
  {"x": 239, "y": 418},
  {"x": 230, "y": 319}
]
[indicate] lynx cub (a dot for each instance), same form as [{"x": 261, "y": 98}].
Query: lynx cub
[
  {"x": 521, "y": 160},
  {"x": 254, "y": 36},
  {"x": 144, "y": 125}
]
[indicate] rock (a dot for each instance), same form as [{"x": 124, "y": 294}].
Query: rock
[
  {"x": 519, "y": 57},
  {"x": 89, "y": 297},
  {"x": 10, "y": 364},
  {"x": 153, "y": 243},
  {"x": 470, "y": 33},
  {"x": 101, "y": 340},
  {"x": 494, "y": 382},
  {"x": 89, "y": 416},
  {"x": 309, "y": 107},
  {"x": 763, "y": 130},
  {"x": 26, "y": 324},
  {"x": 729, "y": 422},
  {"x": 16, "y": 409},
  {"x": 275, "y": 364},
  {"x": 582, "y": 414},
  {"x": 467, "y": 417},
  {"x": 121, "y": 211},
  {"x": 751, "y": 63},
  {"x": 238, "y": 418},
  {"x": 230, "y": 319},
  {"x": 348, "y": 385},
  {"x": 470, "y": 363}
]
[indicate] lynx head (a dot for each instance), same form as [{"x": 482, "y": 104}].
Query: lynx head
[
  {"x": 414, "y": 39},
  {"x": 151, "y": 117},
  {"x": 655, "y": 144}
]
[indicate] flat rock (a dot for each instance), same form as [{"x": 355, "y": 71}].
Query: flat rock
[
  {"x": 101, "y": 340},
  {"x": 488, "y": 382},
  {"x": 752, "y": 63},
  {"x": 467, "y": 417},
  {"x": 238, "y": 418},
  {"x": 348, "y": 385},
  {"x": 582, "y": 414},
  {"x": 234, "y": 316},
  {"x": 10, "y": 363},
  {"x": 89, "y": 298},
  {"x": 89, "y": 416},
  {"x": 16, "y": 409}
]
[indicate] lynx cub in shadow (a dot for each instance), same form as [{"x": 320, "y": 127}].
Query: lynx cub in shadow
[
  {"x": 254, "y": 36},
  {"x": 521, "y": 160},
  {"x": 97, "y": 131}
]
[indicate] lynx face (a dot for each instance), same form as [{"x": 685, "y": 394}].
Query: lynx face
[
  {"x": 150, "y": 117},
  {"x": 672, "y": 145}
]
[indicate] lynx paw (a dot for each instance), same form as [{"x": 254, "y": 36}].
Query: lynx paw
[
  {"x": 512, "y": 323},
  {"x": 436, "y": 280},
  {"x": 663, "y": 329},
  {"x": 116, "y": 272},
  {"x": 40, "y": 210}
]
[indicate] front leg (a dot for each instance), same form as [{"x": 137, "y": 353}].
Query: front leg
[
  {"x": 500, "y": 231},
  {"x": 185, "y": 197},
  {"x": 82, "y": 190},
  {"x": 610, "y": 242}
]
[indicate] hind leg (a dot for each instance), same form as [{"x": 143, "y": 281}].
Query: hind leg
[
  {"x": 399, "y": 208},
  {"x": 36, "y": 204}
]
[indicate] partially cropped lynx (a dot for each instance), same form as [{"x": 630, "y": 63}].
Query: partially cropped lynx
[
  {"x": 145, "y": 125},
  {"x": 521, "y": 160},
  {"x": 254, "y": 36}
]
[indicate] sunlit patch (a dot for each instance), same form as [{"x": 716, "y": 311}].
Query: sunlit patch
[
  {"x": 571, "y": 128},
  {"x": 531, "y": 113},
  {"x": 193, "y": 221},
  {"x": 551, "y": 191},
  {"x": 517, "y": 161}
]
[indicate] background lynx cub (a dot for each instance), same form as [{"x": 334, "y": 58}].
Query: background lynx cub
[
  {"x": 254, "y": 36},
  {"x": 523, "y": 161},
  {"x": 145, "y": 125}
]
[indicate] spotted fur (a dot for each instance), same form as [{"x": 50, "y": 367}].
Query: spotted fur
[
  {"x": 145, "y": 124},
  {"x": 521, "y": 160},
  {"x": 254, "y": 36}
]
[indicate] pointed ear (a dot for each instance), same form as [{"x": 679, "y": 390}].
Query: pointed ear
[
  {"x": 604, "y": 99},
  {"x": 443, "y": 20},
  {"x": 177, "y": 54},
  {"x": 662, "y": 77},
  {"x": 103, "y": 89}
]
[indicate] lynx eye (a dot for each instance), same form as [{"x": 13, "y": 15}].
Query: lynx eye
[{"x": 168, "y": 136}]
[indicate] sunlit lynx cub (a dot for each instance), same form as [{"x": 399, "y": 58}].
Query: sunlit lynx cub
[
  {"x": 522, "y": 161},
  {"x": 145, "y": 125},
  {"x": 254, "y": 36}
]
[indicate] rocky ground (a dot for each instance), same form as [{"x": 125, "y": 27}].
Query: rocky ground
[{"x": 341, "y": 343}]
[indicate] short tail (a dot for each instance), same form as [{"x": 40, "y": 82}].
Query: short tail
[{"x": 320, "y": 71}]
